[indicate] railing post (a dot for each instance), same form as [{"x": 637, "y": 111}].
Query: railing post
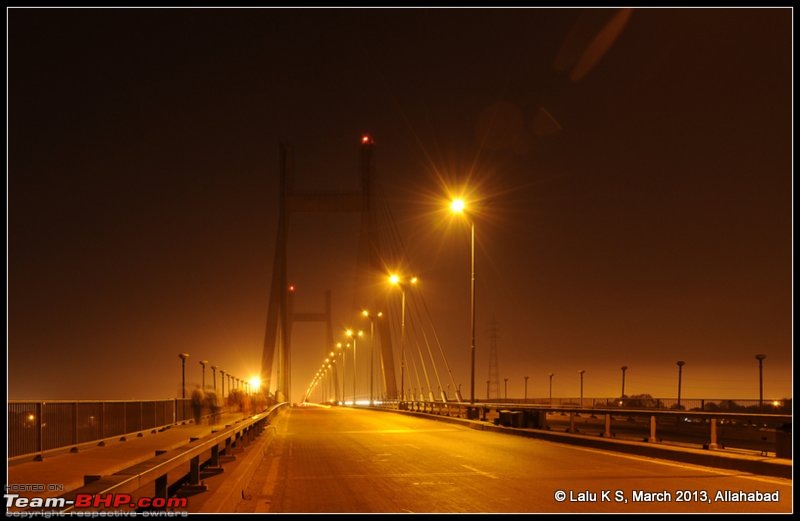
[
  {"x": 214, "y": 456},
  {"x": 74, "y": 423},
  {"x": 653, "y": 438},
  {"x": 194, "y": 471},
  {"x": 607, "y": 432},
  {"x": 713, "y": 443},
  {"x": 161, "y": 486},
  {"x": 102, "y": 420},
  {"x": 39, "y": 423},
  {"x": 571, "y": 421}
]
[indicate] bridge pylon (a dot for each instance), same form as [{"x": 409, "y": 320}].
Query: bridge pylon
[{"x": 276, "y": 356}]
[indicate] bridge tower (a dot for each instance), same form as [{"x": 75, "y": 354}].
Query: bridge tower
[{"x": 280, "y": 314}]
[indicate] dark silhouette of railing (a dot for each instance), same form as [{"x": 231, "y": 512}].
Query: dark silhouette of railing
[{"x": 38, "y": 426}]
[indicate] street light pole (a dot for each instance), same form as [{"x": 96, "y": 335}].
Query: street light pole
[
  {"x": 395, "y": 279},
  {"x": 344, "y": 366},
  {"x": 680, "y": 364},
  {"x": 371, "y": 318},
  {"x": 183, "y": 357},
  {"x": 458, "y": 206},
  {"x": 222, "y": 381},
  {"x": 506, "y": 388},
  {"x": 203, "y": 380},
  {"x": 581, "y": 373},
  {"x": 402, "y": 345},
  {"x": 760, "y": 359},
  {"x": 624, "y": 368},
  {"x": 214, "y": 377},
  {"x": 526, "y": 388},
  {"x": 354, "y": 335},
  {"x": 472, "y": 311},
  {"x": 551, "y": 388}
]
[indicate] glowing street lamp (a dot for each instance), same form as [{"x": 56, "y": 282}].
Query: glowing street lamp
[
  {"x": 459, "y": 206},
  {"x": 395, "y": 280},
  {"x": 255, "y": 384},
  {"x": 183, "y": 357}
]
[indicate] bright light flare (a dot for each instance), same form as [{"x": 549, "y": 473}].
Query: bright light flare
[
  {"x": 394, "y": 278},
  {"x": 458, "y": 206},
  {"x": 255, "y": 383}
]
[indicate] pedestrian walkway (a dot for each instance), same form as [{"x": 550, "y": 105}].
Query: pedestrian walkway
[{"x": 63, "y": 472}]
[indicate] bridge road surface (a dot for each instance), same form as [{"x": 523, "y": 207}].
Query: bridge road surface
[{"x": 336, "y": 460}]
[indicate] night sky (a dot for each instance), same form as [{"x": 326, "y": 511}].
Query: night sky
[{"x": 633, "y": 171}]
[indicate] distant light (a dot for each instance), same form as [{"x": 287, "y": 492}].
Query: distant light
[
  {"x": 366, "y": 139},
  {"x": 776, "y": 403},
  {"x": 380, "y": 313},
  {"x": 394, "y": 279},
  {"x": 255, "y": 383},
  {"x": 457, "y": 205},
  {"x": 291, "y": 288},
  {"x": 414, "y": 280},
  {"x": 31, "y": 417},
  {"x": 365, "y": 313}
]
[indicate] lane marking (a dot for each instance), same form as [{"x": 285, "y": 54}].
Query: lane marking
[
  {"x": 689, "y": 466},
  {"x": 482, "y": 473},
  {"x": 392, "y": 475},
  {"x": 384, "y": 431}
]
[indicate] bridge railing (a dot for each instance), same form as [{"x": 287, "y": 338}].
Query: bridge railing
[
  {"x": 690, "y": 404},
  {"x": 770, "y": 434},
  {"x": 159, "y": 475},
  {"x": 38, "y": 426}
]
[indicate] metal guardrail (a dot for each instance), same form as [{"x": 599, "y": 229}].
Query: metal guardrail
[
  {"x": 38, "y": 426},
  {"x": 782, "y": 406},
  {"x": 157, "y": 469},
  {"x": 767, "y": 433}
]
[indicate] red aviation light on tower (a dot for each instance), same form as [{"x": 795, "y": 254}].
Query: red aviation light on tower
[
  {"x": 366, "y": 139},
  {"x": 291, "y": 288}
]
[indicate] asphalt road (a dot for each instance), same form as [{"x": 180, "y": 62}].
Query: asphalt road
[{"x": 334, "y": 460}]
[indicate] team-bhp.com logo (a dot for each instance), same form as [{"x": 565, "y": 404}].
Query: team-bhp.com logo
[{"x": 94, "y": 501}]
